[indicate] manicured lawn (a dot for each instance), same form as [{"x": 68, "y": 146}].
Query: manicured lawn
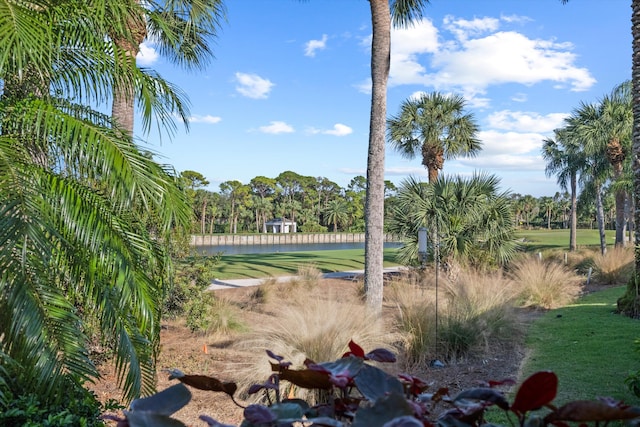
[
  {"x": 287, "y": 263},
  {"x": 540, "y": 240},
  {"x": 590, "y": 348}
]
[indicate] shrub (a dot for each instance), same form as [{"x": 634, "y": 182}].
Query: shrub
[
  {"x": 79, "y": 408},
  {"x": 192, "y": 276},
  {"x": 544, "y": 284},
  {"x": 633, "y": 380},
  {"x": 616, "y": 266},
  {"x": 211, "y": 315}
]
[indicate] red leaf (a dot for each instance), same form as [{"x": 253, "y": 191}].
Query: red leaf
[
  {"x": 203, "y": 382},
  {"x": 355, "y": 350},
  {"x": 535, "y": 392}
]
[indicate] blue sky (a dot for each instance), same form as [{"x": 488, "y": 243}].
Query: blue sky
[{"x": 289, "y": 88}]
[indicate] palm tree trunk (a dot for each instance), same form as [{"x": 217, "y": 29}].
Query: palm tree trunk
[
  {"x": 621, "y": 200},
  {"x": 629, "y": 303},
  {"x": 600, "y": 219},
  {"x": 122, "y": 106},
  {"x": 374, "y": 204},
  {"x": 573, "y": 245},
  {"x": 203, "y": 223}
]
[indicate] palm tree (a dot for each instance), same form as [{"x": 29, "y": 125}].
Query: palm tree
[
  {"x": 336, "y": 211},
  {"x": 403, "y": 12},
  {"x": 565, "y": 158},
  {"x": 435, "y": 126},
  {"x": 469, "y": 219},
  {"x": 183, "y": 30},
  {"x": 73, "y": 245},
  {"x": 595, "y": 170}
]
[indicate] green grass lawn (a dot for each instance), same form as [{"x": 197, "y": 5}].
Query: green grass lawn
[
  {"x": 540, "y": 240},
  {"x": 590, "y": 348},
  {"x": 286, "y": 263}
]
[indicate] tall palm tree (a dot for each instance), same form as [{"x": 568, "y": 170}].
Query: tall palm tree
[
  {"x": 403, "y": 13},
  {"x": 73, "y": 247},
  {"x": 182, "y": 29},
  {"x": 605, "y": 129},
  {"x": 435, "y": 126},
  {"x": 565, "y": 158},
  {"x": 592, "y": 147}
]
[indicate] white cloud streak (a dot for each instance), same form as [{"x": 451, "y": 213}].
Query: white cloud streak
[
  {"x": 209, "y": 119},
  {"x": 277, "y": 127},
  {"x": 253, "y": 86},
  {"x": 313, "y": 45}
]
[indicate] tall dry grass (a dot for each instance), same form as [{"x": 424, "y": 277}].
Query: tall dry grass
[
  {"x": 615, "y": 267},
  {"x": 479, "y": 313},
  {"x": 475, "y": 311},
  {"x": 544, "y": 284},
  {"x": 310, "y": 327}
]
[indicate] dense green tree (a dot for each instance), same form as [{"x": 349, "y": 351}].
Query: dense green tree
[
  {"x": 237, "y": 196},
  {"x": 73, "y": 247},
  {"x": 436, "y": 127}
]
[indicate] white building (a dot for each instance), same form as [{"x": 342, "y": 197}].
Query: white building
[{"x": 281, "y": 225}]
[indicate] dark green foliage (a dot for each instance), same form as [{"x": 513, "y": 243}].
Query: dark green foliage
[
  {"x": 192, "y": 276},
  {"x": 80, "y": 408},
  {"x": 629, "y": 303},
  {"x": 633, "y": 380},
  {"x": 360, "y": 394}
]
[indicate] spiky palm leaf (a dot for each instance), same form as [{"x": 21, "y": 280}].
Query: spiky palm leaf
[{"x": 72, "y": 244}]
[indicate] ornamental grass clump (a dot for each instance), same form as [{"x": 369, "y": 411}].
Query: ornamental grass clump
[
  {"x": 477, "y": 313},
  {"x": 615, "y": 267},
  {"x": 312, "y": 328},
  {"x": 414, "y": 319},
  {"x": 544, "y": 284}
]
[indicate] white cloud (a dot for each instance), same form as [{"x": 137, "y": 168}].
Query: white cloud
[
  {"x": 505, "y": 162},
  {"x": 205, "y": 119},
  {"x": 526, "y": 121},
  {"x": 339, "y": 130},
  {"x": 463, "y": 28},
  {"x": 509, "y": 57},
  {"x": 312, "y": 45},
  {"x": 253, "y": 86},
  {"x": 406, "y": 46},
  {"x": 498, "y": 143},
  {"x": 480, "y": 55},
  {"x": 147, "y": 54},
  {"x": 277, "y": 127}
]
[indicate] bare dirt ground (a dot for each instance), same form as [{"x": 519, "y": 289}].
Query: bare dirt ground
[{"x": 216, "y": 356}]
